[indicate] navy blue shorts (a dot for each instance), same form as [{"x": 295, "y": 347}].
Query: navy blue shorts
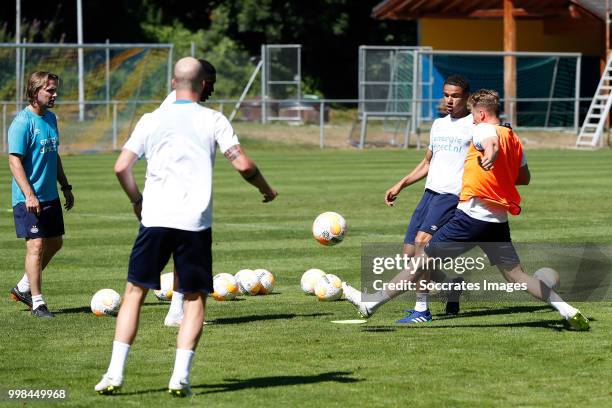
[
  {"x": 463, "y": 233},
  {"x": 434, "y": 210},
  {"x": 191, "y": 251},
  {"x": 49, "y": 223}
]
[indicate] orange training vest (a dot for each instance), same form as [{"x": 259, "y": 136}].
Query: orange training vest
[{"x": 497, "y": 185}]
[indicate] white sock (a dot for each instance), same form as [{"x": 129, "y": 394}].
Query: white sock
[
  {"x": 24, "y": 284},
  {"x": 176, "y": 306},
  {"x": 182, "y": 365},
  {"x": 37, "y": 301},
  {"x": 118, "y": 359},
  {"x": 421, "y": 302},
  {"x": 565, "y": 309},
  {"x": 376, "y": 300}
]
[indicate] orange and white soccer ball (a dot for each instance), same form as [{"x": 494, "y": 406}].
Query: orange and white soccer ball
[
  {"x": 166, "y": 283},
  {"x": 248, "y": 282},
  {"x": 309, "y": 280},
  {"x": 266, "y": 280},
  {"x": 328, "y": 288},
  {"x": 225, "y": 287},
  {"x": 105, "y": 302},
  {"x": 329, "y": 228}
]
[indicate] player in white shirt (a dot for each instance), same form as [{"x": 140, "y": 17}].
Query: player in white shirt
[
  {"x": 174, "y": 317},
  {"x": 175, "y": 210},
  {"x": 450, "y": 137}
]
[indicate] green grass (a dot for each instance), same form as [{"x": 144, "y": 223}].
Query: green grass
[{"x": 282, "y": 350}]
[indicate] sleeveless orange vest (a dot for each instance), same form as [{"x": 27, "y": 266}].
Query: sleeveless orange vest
[{"x": 498, "y": 184}]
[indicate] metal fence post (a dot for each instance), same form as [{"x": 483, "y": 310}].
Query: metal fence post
[
  {"x": 4, "y": 135},
  {"x": 415, "y": 91},
  {"x": 264, "y": 76},
  {"x": 364, "y": 124},
  {"x": 17, "y": 54},
  {"x": 322, "y": 125},
  {"x": 577, "y": 95},
  {"x": 107, "y": 78},
  {"x": 170, "y": 58},
  {"x": 114, "y": 125}
]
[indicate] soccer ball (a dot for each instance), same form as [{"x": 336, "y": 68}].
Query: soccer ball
[
  {"x": 225, "y": 287},
  {"x": 166, "y": 283},
  {"x": 248, "y": 282},
  {"x": 105, "y": 303},
  {"x": 549, "y": 276},
  {"x": 309, "y": 279},
  {"x": 266, "y": 280},
  {"x": 328, "y": 288},
  {"x": 329, "y": 228}
]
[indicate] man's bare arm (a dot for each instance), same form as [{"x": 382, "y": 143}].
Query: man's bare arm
[
  {"x": 16, "y": 166},
  {"x": 418, "y": 173},
  {"x": 63, "y": 181},
  {"x": 490, "y": 146},
  {"x": 123, "y": 171},
  {"x": 249, "y": 171}
]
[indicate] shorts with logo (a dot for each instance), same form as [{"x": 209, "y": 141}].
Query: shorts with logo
[
  {"x": 462, "y": 233},
  {"x": 191, "y": 251},
  {"x": 433, "y": 211},
  {"x": 49, "y": 223}
]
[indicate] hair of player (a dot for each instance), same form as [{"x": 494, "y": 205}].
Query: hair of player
[
  {"x": 458, "y": 80},
  {"x": 486, "y": 99},
  {"x": 209, "y": 70},
  {"x": 37, "y": 81}
]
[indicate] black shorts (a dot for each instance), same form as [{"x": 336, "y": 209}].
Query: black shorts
[
  {"x": 433, "y": 211},
  {"x": 462, "y": 233},
  {"x": 49, "y": 223},
  {"x": 191, "y": 251}
]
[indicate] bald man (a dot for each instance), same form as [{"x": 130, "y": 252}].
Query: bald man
[{"x": 175, "y": 210}]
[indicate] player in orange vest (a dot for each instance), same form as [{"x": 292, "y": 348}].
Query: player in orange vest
[{"x": 495, "y": 164}]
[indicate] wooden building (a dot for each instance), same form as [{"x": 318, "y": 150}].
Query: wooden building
[{"x": 511, "y": 25}]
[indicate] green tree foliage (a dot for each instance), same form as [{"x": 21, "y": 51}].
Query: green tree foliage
[
  {"x": 232, "y": 61},
  {"x": 229, "y": 33}
]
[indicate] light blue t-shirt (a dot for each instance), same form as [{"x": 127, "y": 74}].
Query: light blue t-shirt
[{"x": 36, "y": 139}]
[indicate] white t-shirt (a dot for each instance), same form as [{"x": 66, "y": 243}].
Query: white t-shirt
[
  {"x": 170, "y": 99},
  {"x": 478, "y": 208},
  {"x": 179, "y": 141},
  {"x": 449, "y": 140}
]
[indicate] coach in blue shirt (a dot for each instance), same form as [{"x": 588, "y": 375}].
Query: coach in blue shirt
[{"x": 37, "y": 168}]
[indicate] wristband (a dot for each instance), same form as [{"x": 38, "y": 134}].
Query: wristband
[{"x": 137, "y": 202}]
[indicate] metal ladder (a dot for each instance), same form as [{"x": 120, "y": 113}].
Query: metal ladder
[{"x": 593, "y": 125}]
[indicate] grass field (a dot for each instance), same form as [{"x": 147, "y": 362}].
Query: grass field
[{"x": 282, "y": 350}]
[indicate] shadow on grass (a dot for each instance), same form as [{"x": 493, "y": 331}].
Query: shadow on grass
[
  {"x": 556, "y": 325},
  {"x": 256, "y": 318},
  {"x": 74, "y": 310},
  {"x": 235, "y": 384},
  {"x": 87, "y": 309},
  {"x": 495, "y": 311}
]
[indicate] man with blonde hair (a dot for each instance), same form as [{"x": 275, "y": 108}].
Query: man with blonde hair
[
  {"x": 175, "y": 210},
  {"x": 36, "y": 167}
]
